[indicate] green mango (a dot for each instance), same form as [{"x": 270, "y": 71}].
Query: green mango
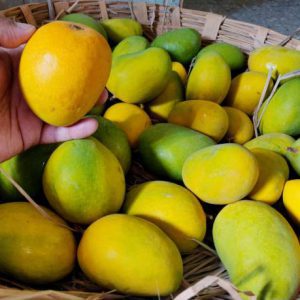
[
  {"x": 293, "y": 155},
  {"x": 111, "y": 136},
  {"x": 27, "y": 170},
  {"x": 85, "y": 20},
  {"x": 277, "y": 142},
  {"x": 232, "y": 55},
  {"x": 282, "y": 113},
  {"x": 182, "y": 44},
  {"x": 165, "y": 147},
  {"x": 259, "y": 249},
  {"x": 140, "y": 77},
  {"x": 210, "y": 78},
  {"x": 130, "y": 45},
  {"x": 119, "y": 29},
  {"x": 173, "y": 93}
]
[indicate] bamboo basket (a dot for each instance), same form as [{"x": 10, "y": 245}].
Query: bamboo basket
[{"x": 204, "y": 275}]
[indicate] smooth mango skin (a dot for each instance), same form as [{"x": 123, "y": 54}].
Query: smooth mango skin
[
  {"x": 284, "y": 60},
  {"x": 180, "y": 70},
  {"x": 277, "y": 142},
  {"x": 115, "y": 248},
  {"x": 291, "y": 199},
  {"x": 130, "y": 45},
  {"x": 292, "y": 154},
  {"x": 210, "y": 79},
  {"x": 182, "y": 44},
  {"x": 164, "y": 148},
  {"x": 83, "y": 181},
  {"x": 240, "y": 128},
  {"x": 34, "y": 249},
  {"x": 245, "y": 91},
  {"x": 232, "y": 55},
  {"x": 172, "y": 208},
  {"x": 206, "y": 117},
  {"x": 221, "y": 174},
  {"x": 282, "y": 113},
  {"x": 140, "y": 77},
  {"x": 119, "y": 29},
  {"x": 173, "y": 93},
  {"x": 273, "y": 173},
  {"x": 114, "y": 138},
  {"x": 259, "y": 249}
]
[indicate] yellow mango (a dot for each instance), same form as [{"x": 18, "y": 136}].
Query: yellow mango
[
  {"x": 210, "y": 78},
  {"x": 245, "y": 91},
  {"x": 291, "y": 199},
  {"x": 221, "y": 174},
  {"x": 180, "y": 70},
  {"x": 141, "y": 76},
  {"x": 273, "y": 173},
  {"x": 204, "y": 116},
  {"x": 240, "y": 129},
  {"x": 173, "y": 93}
]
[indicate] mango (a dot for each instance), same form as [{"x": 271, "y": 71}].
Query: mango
[
  {"x": 83, "y": 181},
  {"x": 206, "y": 117},
  {"x": 140, "y": 77},
  {"x": 182, "y": 44},
  {"x": 232, "y": 55},
  {"x": 277, "y": 142},
  {"x": 210, "y": 79},
  {"x": 240, "y": 128},
  {"x": 221, "y": 174},
  {"x": 119, "y": 29},
  {"x": 283, "y": 59},
  {"x": 273, "y": 173},
  {"x": 291, "y": 199},
  {"x": 164, "y": 148},
  {"x": 292, "y": 154},
  {"x": 130, "y": 45},
  {"x": 245, "y": 91},
  {"x": 180, "y": 70},
  {"x": 259, "y": 249},
  {"x": 172, "y": 208},
  {"x": 114, "y": 138},
  {"x": 114, "y": 249},
  {"x": 282, "y": 113},
  {"x": 34, "y": 249},
  {"x": 173, "y": 93},
  {"x": 130, "y": 118}
]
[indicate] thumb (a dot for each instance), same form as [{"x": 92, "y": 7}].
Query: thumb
[{"x": 13, "y": 34}]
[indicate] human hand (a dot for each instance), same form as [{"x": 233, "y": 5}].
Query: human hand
[{"x": 20, "y": 128}]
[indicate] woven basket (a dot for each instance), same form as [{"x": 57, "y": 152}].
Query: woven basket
[{"x": 204, "y": 275}]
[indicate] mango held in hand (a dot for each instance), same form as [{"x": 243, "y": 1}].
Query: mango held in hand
[
  {"x": 63, "y": 71},
  {"x": 84, "y": 181},
  {"x": 221, "y": 174},
  {"x": 172, "y": 208},
  {"x": 34, "y": 249},
  {"x": 259, "y": 249},
  {"x": 210, "y": 78},
  {"x": 140, "y": 77},
  {"x": 131, "y": 255},
  {"x": 282, "y": 113}
]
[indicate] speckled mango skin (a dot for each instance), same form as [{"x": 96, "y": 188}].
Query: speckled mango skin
[
  {"x": 221, "y": 174},
  {"x": 259, "y": 249}
]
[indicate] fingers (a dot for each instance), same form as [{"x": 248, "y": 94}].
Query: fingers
[
  {"x": 13, "y": 34},
  {"x": 82, "y": 129},
  {"x": 104, "y": 96}
]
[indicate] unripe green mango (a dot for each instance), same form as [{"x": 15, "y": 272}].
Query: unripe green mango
[
  {"x": 210, "y": 79},
  {"x": 140, "y": 77},
  {"x": 259, "y": 249},
  {"x": 293, "y": 155},
  {"x": 282, "y": 113}
]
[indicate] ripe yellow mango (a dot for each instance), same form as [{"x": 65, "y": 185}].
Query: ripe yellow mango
[
  {"x": 204, "y": 116},
  {"x": 172, "y": 208},
  {"x": 221, "y": 174},
  {"x": 273, "y": 173},
  {"x": 259, "y": 249},
  {"x": 140, "y": 77},
  {"x": 291, "y": 199},
  {"x": 180, "y": 70},
  {"x": 210, "y": 78}
]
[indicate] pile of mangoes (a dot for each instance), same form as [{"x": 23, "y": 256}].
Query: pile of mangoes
[{"x": 182, "y": 111}]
